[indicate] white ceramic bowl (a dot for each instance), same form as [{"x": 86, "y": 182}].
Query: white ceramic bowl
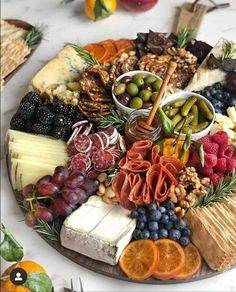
[
  {"x": 186, "y": 95},
  {"x": 125, "y": 109}
]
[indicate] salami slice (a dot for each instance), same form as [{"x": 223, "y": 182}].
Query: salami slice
[
  {"x": 74, "y": 134},
  {"x": 79, "y": 124},
  {"x": 88, "y": 129},
  {"x": 102, "y": 160},
  {"x": 122, "y": 144},
  {"x": 80, "y": 161},
  {"x": 92, "y": 173},
  {"x": 71, "y": 150},
  {"x": 115, "y": 138},
  {"x": 105, "y": 139},
  {"x": 96, "y": 141},
  {"x": 82, "y": 143},
  {"x": 108, "y": 130}
]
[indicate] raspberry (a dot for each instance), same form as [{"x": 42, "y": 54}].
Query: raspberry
[
  {"x": 220, "y": 137},
  {"x": 220, "y": 165},
  {"x": 225, "y": 151},
  {"x": 195, "y": 158},
  {"x": 206, "y": 171},
  {"x": 210, "y": 160},
  {"x": 231, "y": 164},
  {"x": 211, "y": 148},
  {"x": 205, "y": 139},
  {"x": 215, "y": 179}
]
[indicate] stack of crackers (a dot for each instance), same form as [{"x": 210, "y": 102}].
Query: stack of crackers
[
  {"x": 213, "y": 232},
  {"x": 13, "y": 49}
]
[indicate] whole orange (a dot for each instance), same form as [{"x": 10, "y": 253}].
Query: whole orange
[{"x": 99, "y": 9}]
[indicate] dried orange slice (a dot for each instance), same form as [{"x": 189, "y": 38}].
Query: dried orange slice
[
  {"x": 139, "y": 259},
  {"x": 172, "y": 259},
  {"x": 192, "y": 264},
  {"x": 97, "y": 50}
]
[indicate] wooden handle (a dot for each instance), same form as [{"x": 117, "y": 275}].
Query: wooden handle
[{"x": 170, "y": 70}]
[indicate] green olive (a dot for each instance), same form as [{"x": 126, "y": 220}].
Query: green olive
[
  {"x": 138, "y": 81},
  {"x": 139, "y": 75},
  {"x": 150, "y": 79},
  {"x": 119, "y": 89},
  {"x": 156, "y": 85},
  {"x": 132, "y": 89},
  {"x": 154, "y": 96},
  {"x": 145, "y": 94},
  {"x": 136, "y": 103}
]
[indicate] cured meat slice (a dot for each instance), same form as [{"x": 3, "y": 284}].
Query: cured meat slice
[
  {"x": 105, "y": 138},
  {"x": 133, "y": 155},
  {"x": 117, "y": 154},
  {"x": 108, "y": 130},
  {"x": 143, "y": 145},
  {"x": 96, "y": 141},
  {"x": 82, "y": 143},
  {"x": 86, "y": 130},
  {"x": 74, "y": 134},
  {"x": 114, "y": 139},
  {"x": 80, "y": 161},
  {"x": 136, "y": 184},
  {"x": 123, "y": 163},
  {"x": 122, "y": 144},
  {"x": 71, "y": 150},
  {"x": 92, "y": 173},
  {"x": 174, "y": 161},
  {"x": 79, "y": 124},
  {"x": 155, "y": 158},
  {"x": 138, "y": 166},
  {"x": 102, "y": 160}
]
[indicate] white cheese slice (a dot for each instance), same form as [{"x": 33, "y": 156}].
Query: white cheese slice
[
  {"x": 98, "y": 230},
  {"x": 205, "y": 77}
]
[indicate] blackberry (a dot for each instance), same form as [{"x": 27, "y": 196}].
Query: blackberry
[
  {"x": 29, "y": 126},
  {"x": 71, "y": 110},
  {"x": 26, "y": 110},
  {"x": 63, "y": 121},
  {"x": 17, "y": 123},
  {"x": 78, "y": 117},
  {"x": 60, "y": 108},
  {"x": 59, "y": 133},
  {"x": 31, "y": 97},
  {"x": 44, "y": 115},
  {"x": 40, "y": 128}
]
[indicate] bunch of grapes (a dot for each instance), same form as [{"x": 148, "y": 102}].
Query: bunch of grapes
[{"x": 57, "y": 195}]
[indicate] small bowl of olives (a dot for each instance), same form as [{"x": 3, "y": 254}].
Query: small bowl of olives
[{"x": 135, "y": 90}]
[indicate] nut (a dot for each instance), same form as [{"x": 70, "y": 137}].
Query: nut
[
  {"x": 107, "y": 200},
  {"x": 99, "y": 194},
  {"x": 109, "y": 193},
  {"x": 102, "y": 189},
  {"x": 102, "y": 177}
]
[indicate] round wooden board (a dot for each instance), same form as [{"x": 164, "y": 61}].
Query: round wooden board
[
  {"x": 26, "y": 26},
  {"x": 113, "y": 271}
]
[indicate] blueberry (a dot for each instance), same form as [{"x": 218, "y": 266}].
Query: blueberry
[
  {"x": 142, "y": 218},
  {"x": 170, "y": 205},
  {"x": 207, "y": 88},
  {"x": 186, "y": 232},
  {"x": 219, "y": 96},
  {"x": 218, "y": 85},
  {"x": 140, "y": 225},
  {"x": 162, "y": 209},
  {"x": 152, "y": 207},
  {"x": 155, "y": 215},
  {"x": 180, "y": 224},
  {"x": 173, "y": 217},
  {"x": 213, "y": 91},
  {"x": 170, "y": 212},
  {"x": 165, "y": 219},
  {"x": 163, "y": 233},
  {"x": 174, "y": 234},
  {"x": 136, "y": 234},
  {"x": 227, "y": 95},
  {"x": 153, "y": 226},
  {"x": 231, "y": 102},
  {"x": 184, "y": 241},
  {"x": 206, "y": 93},
  {"x": 169, "y": 225},
  {"x": 154, "y": 235},
  {"x": 145, "y": 234},
  {"x": 141, "y": 210},
  {"x": 134, "y": 214}
]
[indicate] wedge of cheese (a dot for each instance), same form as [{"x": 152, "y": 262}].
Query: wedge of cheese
[
  {"x": 204, "y": 76},
  {"x": 98, "y": 230}
]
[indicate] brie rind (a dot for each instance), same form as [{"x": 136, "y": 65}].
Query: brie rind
[
  {"x": 98, "y": 230},
  {"x": 205, "y": 77}
]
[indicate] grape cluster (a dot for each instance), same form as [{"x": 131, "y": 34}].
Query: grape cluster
[
  {"x": 57, "y": 195},
  {"x": 154, "y": 222}
]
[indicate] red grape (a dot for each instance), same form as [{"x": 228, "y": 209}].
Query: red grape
[
  {"x": 61, "y": 207},
  {"x": 28, "y": 190},
  {"x": 70, "y": 196},
  {"x": 60, "y": 175},
  {"x": 44, "y": 179},
  {"x": 47, "y": 189},
  {"x": 30, "y": 219},
  {"x": 44, "y": 214},
  {"x": 74, "y": 180},
  {"x": 82, "y": 197},
  {"x": 90, "y": 185},
  {"x": 26, "y": 204}
]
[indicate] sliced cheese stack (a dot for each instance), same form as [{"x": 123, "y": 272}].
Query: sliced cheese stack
[
  {"x": 59, "y": 77},
  {"x": 32, "y": 156},
  {"x": 98, "y": 230},
  {"x": 213, "y": 233}
]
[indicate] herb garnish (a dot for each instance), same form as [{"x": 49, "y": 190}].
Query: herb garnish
[
  {"x": 184, "y": 37},
  {"x": 229, "y": 50},
  {"x": 34, "y": 36},
  {"x": 50, "y": 232},
  {"x": 88, "y": 58},
  {"x": 116, "y": 119}
]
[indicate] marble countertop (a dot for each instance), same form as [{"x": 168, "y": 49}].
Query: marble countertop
[{"x": 67, "y": 23}]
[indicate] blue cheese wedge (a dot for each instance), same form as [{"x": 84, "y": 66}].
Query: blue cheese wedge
[{"x": 98, "y": 230}]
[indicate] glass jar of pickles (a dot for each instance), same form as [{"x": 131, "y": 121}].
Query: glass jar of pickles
[{"x": 131, "y": 133}]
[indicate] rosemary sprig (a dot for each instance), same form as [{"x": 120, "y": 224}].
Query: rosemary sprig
[
  {"x": 88, "y": 58},
  {"x": 229, "y": 50},
  {"x": 112, "y": 171},
  {"x": 184, "y": 37},
  {"x": 50, "y": 232},
  {"x": 225, "y": 188},
  {"x": 35, "y": 35},
  {"x": 116, "y": 119}
]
